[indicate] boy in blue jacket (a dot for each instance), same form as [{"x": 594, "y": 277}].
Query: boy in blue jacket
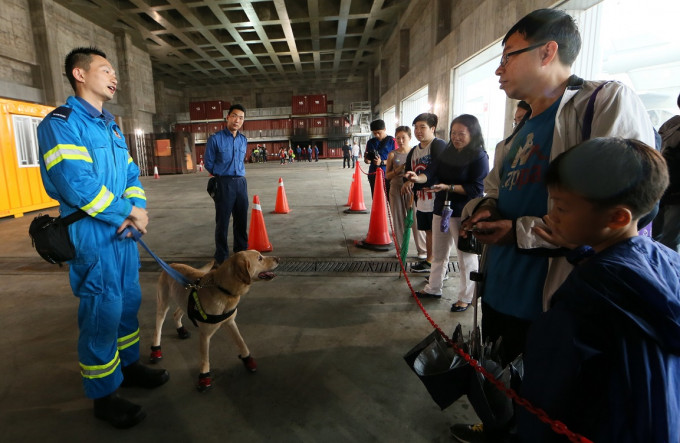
[{"x": 605, "y": 358}]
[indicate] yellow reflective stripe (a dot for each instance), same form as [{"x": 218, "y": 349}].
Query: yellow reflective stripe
[
  {"x": 129, "y": 159},
  {"x": 134, "y": 192},
  {"x": 100, "y": 371},
  {"x": 65, "y": 152},
  {"x": 99, "y": 203},
  {"x": 128, "y": 340}
]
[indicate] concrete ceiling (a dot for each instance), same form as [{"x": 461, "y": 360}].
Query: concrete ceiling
[{"x": 265, "y": 43}]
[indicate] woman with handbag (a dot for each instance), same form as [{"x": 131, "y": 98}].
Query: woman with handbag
[{"x": 459, "y": 172}]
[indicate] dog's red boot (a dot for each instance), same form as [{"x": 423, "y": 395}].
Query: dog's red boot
[
  {"x": 249, "y": 363},
  {"x": 156, "y": 354},
  {"x": 204, "y": 382}
]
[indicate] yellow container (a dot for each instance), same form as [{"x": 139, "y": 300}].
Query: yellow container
[{"x": 21, "y": 187}]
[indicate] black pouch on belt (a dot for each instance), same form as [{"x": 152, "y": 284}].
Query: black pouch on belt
[{"x": 50, "y": 237}]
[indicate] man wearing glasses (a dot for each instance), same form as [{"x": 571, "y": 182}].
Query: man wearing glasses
[{"x": 523, "y": 268}]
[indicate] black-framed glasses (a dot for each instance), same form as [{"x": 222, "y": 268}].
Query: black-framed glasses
[{"x": 505, "y": 57}]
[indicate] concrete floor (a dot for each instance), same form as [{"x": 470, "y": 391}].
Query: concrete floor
[{"x": 329, "y": 346}]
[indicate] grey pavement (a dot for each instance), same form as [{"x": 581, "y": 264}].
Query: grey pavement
[{"x": 329, "y": 343}]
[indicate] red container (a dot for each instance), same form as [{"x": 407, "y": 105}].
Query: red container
[
  {"x": 300, "y": 105},
  {"x": 318, "y": 122},
  {"x": 337, "y": 122},
  {"x": 183, "y": 127},
  {"x": 213, "y": 110},
  {"x": 317, "y": 104},
  {"x": 198, "y": 127},
  {"x": 197, "y": 111},
  {"x": 300, "y": 123},
  {"x": 215, "y": 127}
]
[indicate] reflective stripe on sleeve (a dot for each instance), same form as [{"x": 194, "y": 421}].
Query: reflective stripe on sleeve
[
  {"x": 134, "y": 192},
  {"x": 100, "y": 371},
  {"x": 128, "y": 340},
  {"x": 99, "y": 203},
  {"x": 65, "y": 152},
  {"x": 129, "y": 160}
]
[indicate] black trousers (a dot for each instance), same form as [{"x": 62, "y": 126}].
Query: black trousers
[{"x": 231, "y": 200}]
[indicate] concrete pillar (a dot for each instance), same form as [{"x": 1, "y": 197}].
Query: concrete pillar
[
  {"x": 51, "y": 66},
  {"x": 126, "y": 97}
]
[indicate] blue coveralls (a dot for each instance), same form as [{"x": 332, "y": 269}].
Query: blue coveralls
[
  {"x": 85, "y": 163},
  {"x": 224, "y": 158}
]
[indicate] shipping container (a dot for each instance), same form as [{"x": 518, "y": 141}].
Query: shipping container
[
  {"x": 197, "y": 111},
  {"x": 213, "y": 110},
  {"x": 300, "y": 105},
  {"x": 21, "y": 188},
  {"x": 162, "y": 148},
  {"x": 214, "y": 127},
  {"x": 198, "y": 127},
  {"x": 183, "y": 127},
  {"x": 317, "y": 104}
]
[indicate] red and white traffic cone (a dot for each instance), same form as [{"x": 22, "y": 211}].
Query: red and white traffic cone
[{"x": 155, "y": 172}]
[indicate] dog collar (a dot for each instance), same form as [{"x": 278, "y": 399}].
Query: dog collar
[{"x": 196, "y": 313}]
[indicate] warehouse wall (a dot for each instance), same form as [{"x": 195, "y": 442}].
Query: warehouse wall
[
  {"x": 36, "y": 35},
  {"x": 473, "y": 27}
]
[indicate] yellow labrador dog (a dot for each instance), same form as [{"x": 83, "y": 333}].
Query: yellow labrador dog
[{"x": 211, "y": 303}]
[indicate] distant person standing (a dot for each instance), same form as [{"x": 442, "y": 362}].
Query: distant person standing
[
  {"x": 346, "y": 155},
  {"x": 316, "y": 153},
  {"x": 309, "y": 153},
  {"x": 356, "y": 153},
  {"x": 298, "y": 151},
  {"x": 224, "y": 154},
  {"x": 377, "y": 150}
]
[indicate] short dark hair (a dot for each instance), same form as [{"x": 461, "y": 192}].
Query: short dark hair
[
  {"x": 79, "y": 58},
  {"x": 524, "y": 105},
  {"x": 473, "y": 126},
  {"x": 427, "y": 117},
  {"x": 611, "y": 171},
  {"x": 405, "y": 129},
  {"x": 377, "y": 125},
  {"x": 544, "y": 25},
  {"x": 236, "y": 106}
]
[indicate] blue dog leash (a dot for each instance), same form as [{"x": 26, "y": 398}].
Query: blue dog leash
[{"x": 137, "y": 236}]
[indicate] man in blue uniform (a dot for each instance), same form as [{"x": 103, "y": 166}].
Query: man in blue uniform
[
  {"x": 224, "y": 158},
  {"x": 85, "y": 165}
]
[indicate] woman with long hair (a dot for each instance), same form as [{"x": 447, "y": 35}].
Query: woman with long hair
[
  {"x": 394, "y": 174},
  {"x": 459, "y": 171}
]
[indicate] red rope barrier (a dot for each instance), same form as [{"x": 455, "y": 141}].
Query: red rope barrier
[{"x": 556, "y": 425}]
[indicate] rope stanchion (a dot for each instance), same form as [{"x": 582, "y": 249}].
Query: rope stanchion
[{"x": 556, "y": 425}]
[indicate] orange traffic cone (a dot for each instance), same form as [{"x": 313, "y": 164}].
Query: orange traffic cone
[
  {"x": 356, "y": 200},
  {"x": 257, "y": 236},
  {"x": 155, "y": 172},
  {"x": 378, "y": 238},
  {"x": 351, "y": 187},
  {"x": 281, "y": 200}
]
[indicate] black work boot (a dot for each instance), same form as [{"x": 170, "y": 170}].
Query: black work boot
[
  {"x": 138, "y": 375},
  {"x": 117, "y": 411}
]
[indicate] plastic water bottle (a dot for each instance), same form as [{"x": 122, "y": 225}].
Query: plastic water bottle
[{"x": 446, "y": 215}]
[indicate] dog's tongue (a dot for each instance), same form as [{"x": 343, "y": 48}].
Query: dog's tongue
[{"x": 266, "y": 275}]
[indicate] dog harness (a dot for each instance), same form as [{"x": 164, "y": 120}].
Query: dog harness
[{"x": 196, "y": 313}]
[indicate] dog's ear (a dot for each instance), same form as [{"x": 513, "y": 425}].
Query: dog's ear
[{"x": 243, "y": 270}]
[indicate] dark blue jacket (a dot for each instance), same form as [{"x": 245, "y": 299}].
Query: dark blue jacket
[{"x": 605, "y": 359}]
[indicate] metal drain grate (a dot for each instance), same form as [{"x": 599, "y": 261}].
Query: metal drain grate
[
  {"x": 320, "y": 266},
  {"x": 307, "y": 265}
]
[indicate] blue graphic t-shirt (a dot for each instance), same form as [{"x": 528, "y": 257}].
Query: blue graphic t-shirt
[{"x": 514, "y": 281}]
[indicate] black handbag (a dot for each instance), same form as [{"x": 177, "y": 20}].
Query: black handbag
[
  {"x": 212, "y": 187},
  {"x": 49, "y": 236}
]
